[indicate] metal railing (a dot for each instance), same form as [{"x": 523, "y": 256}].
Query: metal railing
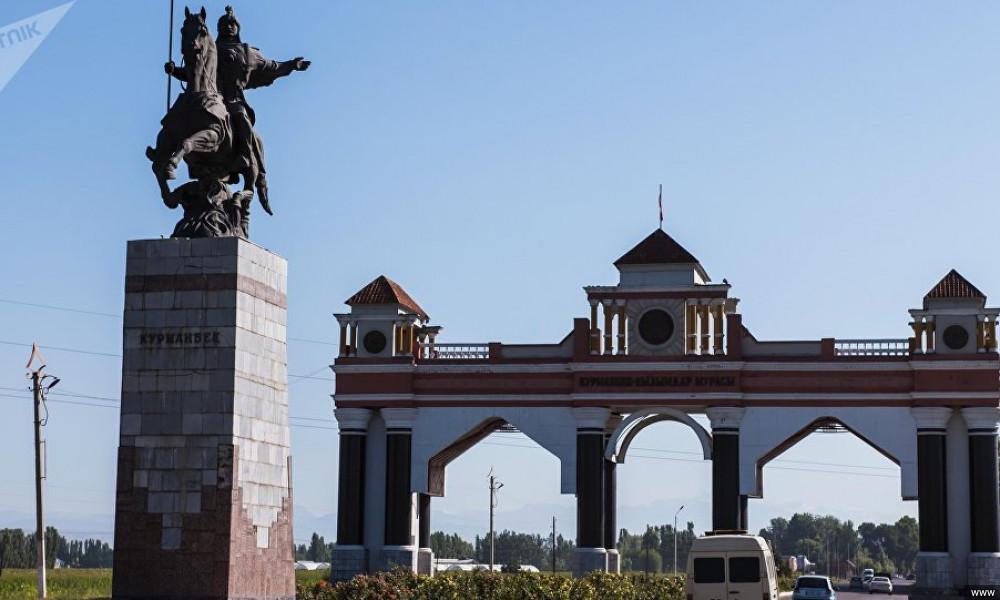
[
  {"x": 897, "y": 347},
  {"x": 455, "y": 351}
]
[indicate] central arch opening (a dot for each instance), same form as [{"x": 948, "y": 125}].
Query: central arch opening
[{"x": 663, "y": 480}]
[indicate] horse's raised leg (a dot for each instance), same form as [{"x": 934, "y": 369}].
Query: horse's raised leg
[{"x": 206, "y": 140}]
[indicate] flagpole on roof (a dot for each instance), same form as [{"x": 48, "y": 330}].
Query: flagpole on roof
[{"x": 661, "y": 206}]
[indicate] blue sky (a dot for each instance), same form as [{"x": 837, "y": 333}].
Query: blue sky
[{"x": 832, "y": 160}]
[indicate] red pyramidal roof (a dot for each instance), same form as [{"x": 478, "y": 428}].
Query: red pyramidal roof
[
  {"x": 657, "y": 249},
  {"x": 954, "y": 286},
  {"x": 385, "y": 291}
]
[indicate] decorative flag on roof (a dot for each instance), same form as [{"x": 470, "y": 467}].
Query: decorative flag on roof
[{"x": 661, "y": 206}]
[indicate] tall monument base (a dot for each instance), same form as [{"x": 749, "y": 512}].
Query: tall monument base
[{"x": 204, "y": 505}]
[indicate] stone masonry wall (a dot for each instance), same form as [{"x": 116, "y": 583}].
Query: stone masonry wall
[{"x": 204, "y": 482}]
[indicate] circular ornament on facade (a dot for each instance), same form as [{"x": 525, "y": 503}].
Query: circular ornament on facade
[
  {"x": 374, "y": 342},
  {"x": 656, "y": 327},
  {"x": 956, "y": 337}
]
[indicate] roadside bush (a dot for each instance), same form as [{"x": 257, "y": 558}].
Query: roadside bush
[{"x": 486, "y": 585}]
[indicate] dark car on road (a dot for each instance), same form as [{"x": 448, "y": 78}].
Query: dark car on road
[{"x": 856, "y": 583}]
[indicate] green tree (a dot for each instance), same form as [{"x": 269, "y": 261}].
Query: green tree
[
  {"x": 450, "y": 546},
  {"x": 11, "y": 549},
  {"x": 906, "y": 543},
  {"x": 777, "y": 534},
  {"x": 319, "y": 550},
  {"x": 563, "y": 551}
]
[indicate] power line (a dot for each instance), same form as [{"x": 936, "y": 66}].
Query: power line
[
  {"x": 522, "y": 446},
  {"x": 60, "y": 349},
  {"x": 62, "y": 308},
  {"x": 320, "y": 342},
  {"x": 118, "y": 404},
  {"x": 641, "y": 456},
  {"x": 119, "y": 316}
]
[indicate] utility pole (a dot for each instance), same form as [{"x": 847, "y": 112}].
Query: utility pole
[
  {"x": 675, "y": 538},
  {"x": 37, "y": 377},
  {"x": 494, "y": 486},
  {"x": 553, "y": 545}
]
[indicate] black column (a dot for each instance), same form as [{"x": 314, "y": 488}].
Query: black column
[
  {"x": 725, "y": 478},
  {"x": 932, "y": 506},
  {"x": 984, "y": 497},
  {"x": 744, "y": 517},
  {"x": 590, "y": 487},
  {"x": 351, "y": 489},
  {"x": 610, "y": 504},
  {"x": 397, "y": 487},
  {"x": 424, "y": 516}
]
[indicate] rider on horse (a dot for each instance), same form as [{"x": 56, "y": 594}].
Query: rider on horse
[{"x": 242, "y": 67}]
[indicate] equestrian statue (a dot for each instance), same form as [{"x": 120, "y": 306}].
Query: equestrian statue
[{"x": 211, "y": 128}]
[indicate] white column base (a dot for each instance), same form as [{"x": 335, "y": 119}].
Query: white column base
[
  {"x": 425, "y": 561},
  {"x": 983, "y": 568},
  {"x": 614, "y": 562},
  {"x": 390, "y": 557},
  {"x": 934, "y": 574},
  {"x": 586, "y": 560},
  {"x": 348, "y": 561}
]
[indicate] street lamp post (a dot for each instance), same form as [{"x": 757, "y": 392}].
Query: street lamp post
[{"x": 675, "y": 538}]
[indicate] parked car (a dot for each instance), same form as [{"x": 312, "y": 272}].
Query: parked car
[
  {"x": 813, "y": 587},
  {"x": 911, "y": 577},
  {"x": 856, "y": 583},
  {"x": 881, "y": 585},
  {"x": 720, "y": 565}
]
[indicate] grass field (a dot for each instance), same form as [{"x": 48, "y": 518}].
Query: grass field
[
  {"x": 81, "y": 584},
  {"x": 69, "y": 584}
]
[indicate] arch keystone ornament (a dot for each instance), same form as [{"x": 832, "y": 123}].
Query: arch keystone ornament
[{"x": 665, "y": 343}]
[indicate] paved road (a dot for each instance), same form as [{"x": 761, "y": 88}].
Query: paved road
[{"x": 900, "y": 589}]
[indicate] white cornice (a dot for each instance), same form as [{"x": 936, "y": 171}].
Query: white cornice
[
  {"x": 689, "y": 397},
  {"x": 696, "y": 398},
  {"x": 859, "y": 397},
  {"x": 657, "y": 366},
  {"x": 365, "y": 369},
  {"x": 692, "y": 288},
  {"x": 826, "y": 366},
  {"x": 376, "y": 398},
  {"x": 955, "y": 365},
  {"x": 956, "y": 395},
  {"x": 493, "y": 368}
]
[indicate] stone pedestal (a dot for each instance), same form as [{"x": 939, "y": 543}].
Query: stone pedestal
[
  {"x": 934, "y": 574},
  {"x": 586, "y": 560},
  {"x": 203, "y": 508},
  {"x": 983, "y": 569}
]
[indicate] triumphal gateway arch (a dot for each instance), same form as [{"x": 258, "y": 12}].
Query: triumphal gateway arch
[{"x": 666, "y": 343}]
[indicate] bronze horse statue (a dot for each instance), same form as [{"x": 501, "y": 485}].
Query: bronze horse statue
[{"x": 197, "y": 130}]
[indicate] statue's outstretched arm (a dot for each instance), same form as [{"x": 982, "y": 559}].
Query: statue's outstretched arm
[{"x": 264, "y": 71}]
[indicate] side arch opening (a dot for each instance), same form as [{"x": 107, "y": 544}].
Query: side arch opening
[
  {"x": 826, "y": 424},
  {"x": 437, "y": 464}
]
